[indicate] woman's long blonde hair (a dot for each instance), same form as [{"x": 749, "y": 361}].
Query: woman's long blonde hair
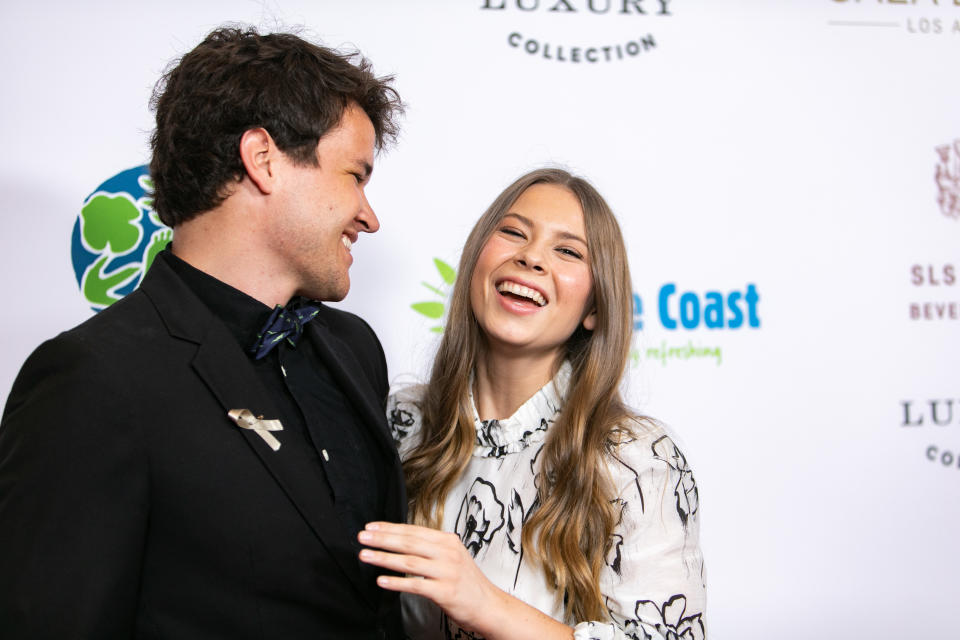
[{"x": 569, "y": 533}]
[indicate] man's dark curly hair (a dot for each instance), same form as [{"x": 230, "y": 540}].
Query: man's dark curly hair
[{"x": 238, "y": 79}]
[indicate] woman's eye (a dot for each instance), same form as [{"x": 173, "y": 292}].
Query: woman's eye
[
  {"x": 571, "y": 252},
  {"x": 510, "y": 231}
]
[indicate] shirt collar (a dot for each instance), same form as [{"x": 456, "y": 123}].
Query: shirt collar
[
  {"x": 528, "y": 424},
  {"x": 242, "y": 314}
]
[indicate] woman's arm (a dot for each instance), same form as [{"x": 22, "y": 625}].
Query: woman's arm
[
  {"x": 447, "y": 575},
  {"x": 653, "y": 582}
]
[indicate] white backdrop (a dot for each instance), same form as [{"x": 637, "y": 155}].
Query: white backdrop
[{"x": 785, "y": 144}]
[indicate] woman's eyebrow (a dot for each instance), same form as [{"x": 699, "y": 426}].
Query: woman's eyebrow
[
  {"x": 566, "y": 235},
  {"x": 524, "y": 219}
]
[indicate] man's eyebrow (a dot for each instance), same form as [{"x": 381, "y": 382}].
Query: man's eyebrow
[
  {"x": 365, "y": 168},
  {"x": 566, "y": 235}
]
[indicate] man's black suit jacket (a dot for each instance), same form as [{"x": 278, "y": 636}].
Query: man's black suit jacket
[{"x": 131, "y": 506}]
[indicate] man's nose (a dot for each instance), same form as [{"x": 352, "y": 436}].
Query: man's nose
[{"x": 369, "y": 222}]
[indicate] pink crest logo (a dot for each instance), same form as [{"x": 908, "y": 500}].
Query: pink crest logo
[{"x": 947, "y": 177}]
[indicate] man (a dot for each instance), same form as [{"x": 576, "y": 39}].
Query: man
[{"x": 189, "y": 463}]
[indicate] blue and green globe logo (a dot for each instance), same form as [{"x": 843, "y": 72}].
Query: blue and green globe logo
[{"x": 116, "y": 237}]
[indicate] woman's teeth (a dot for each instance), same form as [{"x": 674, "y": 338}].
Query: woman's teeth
[{"x": 522, "y": 291}]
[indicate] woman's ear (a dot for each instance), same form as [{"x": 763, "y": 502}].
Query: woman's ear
[{"x": 590, "y": 321}]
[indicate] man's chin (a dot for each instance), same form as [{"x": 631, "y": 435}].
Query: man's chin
[{"x": 327, "y": 291}]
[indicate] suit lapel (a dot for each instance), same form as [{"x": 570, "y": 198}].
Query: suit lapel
[
  {"x": 342, "y": 363},
  {"x": 227, "y": 372}
]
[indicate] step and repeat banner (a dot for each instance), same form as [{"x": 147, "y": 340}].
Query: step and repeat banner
[{"x": 787, "y": 175}]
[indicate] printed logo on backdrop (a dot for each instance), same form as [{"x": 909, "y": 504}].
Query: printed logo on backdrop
[
  {"x": 947, "y": 177},
  {"x": 937, "y": 292},
  {"x": 934, "y": 418},
  {"x": 915, "y": 17},
  {"x": 436, "y": 308},
  {"x": 937, "y": 300},
  {"x": 629, "y": 21},
  {"x": 680, "y": 313},
  {"x": 937, "y": 283},
  {"x": 116, "y": 236}
]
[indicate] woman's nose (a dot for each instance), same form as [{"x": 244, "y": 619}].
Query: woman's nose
[{"x": 531, "y": 258}]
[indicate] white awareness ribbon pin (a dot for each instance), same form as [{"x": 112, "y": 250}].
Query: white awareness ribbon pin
[{"x": 245, "y": 419}]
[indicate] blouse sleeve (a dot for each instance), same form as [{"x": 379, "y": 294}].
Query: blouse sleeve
[
  {"x": 653, "y": 582},
  {"x": 403, "y": 418}
]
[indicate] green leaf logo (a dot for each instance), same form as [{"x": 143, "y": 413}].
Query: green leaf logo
[
  {"x": 446, "y": 271},
  {"x": 431, "y": 308}
]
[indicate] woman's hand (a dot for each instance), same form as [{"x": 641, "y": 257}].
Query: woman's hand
[{"x": 444, "y": 570}]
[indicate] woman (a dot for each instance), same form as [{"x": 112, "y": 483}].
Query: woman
[{"x": 567, "y": 509}]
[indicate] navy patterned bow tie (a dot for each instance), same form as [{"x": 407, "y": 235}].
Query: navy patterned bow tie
[{"x": 284, "y": 323}]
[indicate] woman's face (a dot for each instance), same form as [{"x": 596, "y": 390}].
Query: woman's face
[{"x": 532, "y": 284}]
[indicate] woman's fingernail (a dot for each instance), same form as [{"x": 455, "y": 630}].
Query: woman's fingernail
[
  {"x": 372, "y": 526},
  {"x": 366, "y": 554},
  {"x": 365, "y": 536}
]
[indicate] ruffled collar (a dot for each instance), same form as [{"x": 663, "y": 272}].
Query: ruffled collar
[{"x": 528, "y": 425}]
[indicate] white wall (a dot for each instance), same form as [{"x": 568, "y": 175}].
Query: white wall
[{"x": 785, "y": 144}]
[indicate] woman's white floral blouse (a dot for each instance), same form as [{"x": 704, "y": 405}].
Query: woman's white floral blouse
[{"x": 653, "y": 581}]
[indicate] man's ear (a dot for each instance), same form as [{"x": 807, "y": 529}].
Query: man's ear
[
  {"x": 257, "y": 151},
  {"x": 590, "y": 322}
]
